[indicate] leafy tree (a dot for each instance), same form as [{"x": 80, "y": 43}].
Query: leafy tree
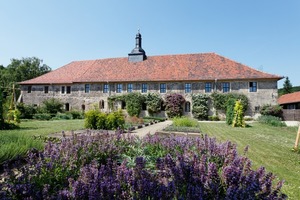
[
  {"x": 1, "y": 109},
  {"x": 287, "y": 86},
  {"x": 52, "y": 106}
]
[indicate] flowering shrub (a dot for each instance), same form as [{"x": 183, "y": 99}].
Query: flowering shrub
[
  {"x": 121, "y": 166},
  {"x": 174, "y": 105}
]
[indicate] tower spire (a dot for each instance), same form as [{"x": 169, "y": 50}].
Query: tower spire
[{"x": 137, "y": 54}]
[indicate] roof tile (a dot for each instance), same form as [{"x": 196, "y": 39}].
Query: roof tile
[
  {"x": 289, "y": 98},
  {"x": 184, "y": 67}
]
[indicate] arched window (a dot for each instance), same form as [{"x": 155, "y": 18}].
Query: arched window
[
  {"x": 144, "y": 106},
  {"x": 162, "y": 106},
  {"x": 123, "y": 106},
  {"x": 187, "y": 107},
  {"x": 83, "y": 107},
  {"x": 67, "y": 107},
  {"x": 101, "y": 104}
]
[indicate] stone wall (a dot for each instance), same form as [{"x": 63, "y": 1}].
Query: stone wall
[{"x": 78, "y": 99}]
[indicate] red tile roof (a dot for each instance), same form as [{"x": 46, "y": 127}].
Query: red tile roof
[
  {"x": 184, "y": 67},
  {"x": 289, "y": 98}
]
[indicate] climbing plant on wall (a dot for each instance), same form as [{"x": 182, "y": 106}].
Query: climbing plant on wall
[
  {"x": 153, "y": 101},
  {"x": 220, "y": 100},
  {"x": 134, "y": 102},
  {"x": 200, "y": 106}
]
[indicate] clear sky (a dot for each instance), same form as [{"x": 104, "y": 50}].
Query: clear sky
[{"x": 263, "y": 34}]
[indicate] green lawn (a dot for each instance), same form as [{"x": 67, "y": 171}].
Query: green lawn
[
  {"x": 268, "y": 146},
  {"x": 17, "y": 142}
]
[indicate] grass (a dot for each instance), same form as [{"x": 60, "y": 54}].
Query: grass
[
  {"x": 14, "y": 143},
  {"x": 268, "y": 146}
]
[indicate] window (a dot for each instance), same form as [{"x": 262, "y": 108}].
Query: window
[
  {"x": 207, "y": 87},
  {"x": 83, "y": 107},
  {"x": 291, "y": 106},
  {"x": 46, "y": 89},
  {"x": 101, "y": 104},
  {"x": 63, "y": 89},
  {"x": 252, "y": 86},
  {"x": 119, "y": 88},
  {"x": 87, "y": 88},
  {"x": 162, "y": 106},
  {"x": 129, "y": 87},
  {"x": 163, "y": 88},
  {"x": 144, "y": 106},
  {"x": 123, "y": 105},
  {"x": 68, "y": 89},
  {"x": 144, "y": 88},
  {"x": 187, "y": 107},
  {"x": 188, "y": 88},
  {"x": 29, "y": 89},
  {"x": 105, "y": 88},
  {"x": 226, "y": 87},
  {"x": 257, "y": 108},
  {"x": 67, "y": 106}
]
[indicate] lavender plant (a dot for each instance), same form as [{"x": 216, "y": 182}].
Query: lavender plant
[{"x": 97, "y": 166}]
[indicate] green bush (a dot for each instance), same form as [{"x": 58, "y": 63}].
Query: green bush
[
  {"x": 101, "y": 121},
  {"x": 185, "y": 122},
  {"x": 271, "y": 120},
  {"x": 273, "y": 110},
  {"x": 76, "y": 114},
  {"x": 95, "y": 119},
  {"x": 200, "y": 106},
  {"x": 91, "y": 118},
  {"x": 115, "y": 120},
  {"x": 52, "y": 106},
  {"x": 42, "y": 116},
  {"x": 27, "y": 111},
  {"x": 230, "y": 111}
]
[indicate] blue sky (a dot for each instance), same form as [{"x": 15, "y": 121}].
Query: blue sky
[{"x": 263, "y": 34}]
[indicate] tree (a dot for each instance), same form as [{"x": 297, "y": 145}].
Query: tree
[
  {"x": 1, "y": 110},
  {"x": 238, "y": 119},
  {"x": 27, "y": 68},
  {"x": 287, "y": 86}
]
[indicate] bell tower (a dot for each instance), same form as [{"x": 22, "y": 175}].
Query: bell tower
[{"x": 137, "y": 54}]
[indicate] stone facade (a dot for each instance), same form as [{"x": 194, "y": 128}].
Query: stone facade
[{"x": 75, "y": 96}]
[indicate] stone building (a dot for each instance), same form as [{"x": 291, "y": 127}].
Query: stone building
[{"x": 82, "y": 84}]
